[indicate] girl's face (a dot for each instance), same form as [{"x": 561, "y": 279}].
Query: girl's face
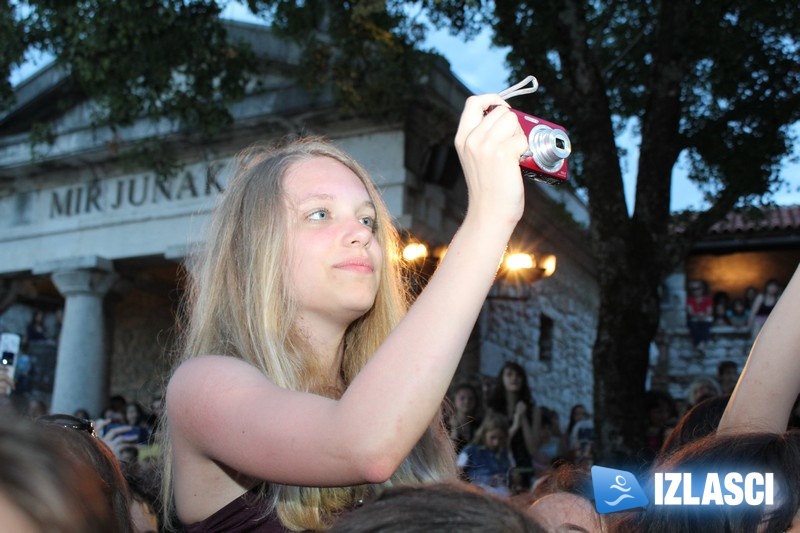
[
  {"x": 512, "y": 380},
  {"x": 464, "y": 401},
  {"x": 335, "y": 260},
  {"x": 492, "y": 439}
]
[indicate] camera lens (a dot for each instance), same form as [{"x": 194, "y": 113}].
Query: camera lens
[{"x": 549, "y": 147}]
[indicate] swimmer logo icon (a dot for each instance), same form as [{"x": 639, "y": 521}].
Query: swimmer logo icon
[{"x": 616, "y": 490}]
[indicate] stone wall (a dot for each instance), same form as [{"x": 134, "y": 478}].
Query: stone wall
[
  {"x": 142, "y": 344},
  {"x": 679, "y": 362},
  {"x": 512, "y": 332}
]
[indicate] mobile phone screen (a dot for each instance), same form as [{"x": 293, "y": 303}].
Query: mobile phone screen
[{"x": 9, "y": 346}]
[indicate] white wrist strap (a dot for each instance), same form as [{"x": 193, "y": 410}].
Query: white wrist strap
[{"x": 516, "y": 90}]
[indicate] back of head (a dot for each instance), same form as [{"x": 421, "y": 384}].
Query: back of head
[
  {"x": 696, "y": 423},
  {"x": 565, "y": 477},
  {"x": 439, "y": 507},
  {"x": 84, "y": 448},
  {"x": 49, "y": 486},
  {"x": 763, "y": 453}
]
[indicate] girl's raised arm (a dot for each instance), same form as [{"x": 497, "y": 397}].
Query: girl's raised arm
[{"x": 770, "y": 382}]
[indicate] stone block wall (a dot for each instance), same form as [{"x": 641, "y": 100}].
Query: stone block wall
[
  {"x": 141, "y": 345},
  {"x": 512, "y": 331},
  {"x": 679, "y": 362},
  {"x": 683, "y": 363}
]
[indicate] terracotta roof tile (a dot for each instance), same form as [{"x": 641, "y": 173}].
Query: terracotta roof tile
[{"x": 777, "y": 219}]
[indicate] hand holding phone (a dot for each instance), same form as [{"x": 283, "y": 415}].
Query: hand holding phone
[{"x": 9, "y": 347}]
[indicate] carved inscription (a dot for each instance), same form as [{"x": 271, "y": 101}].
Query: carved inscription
[{"x": 133, "y": 192}]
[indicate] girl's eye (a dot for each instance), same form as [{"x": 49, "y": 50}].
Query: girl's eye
[
  {"x": 369, "y": 222},
  {"x": 319, "y": 214}
]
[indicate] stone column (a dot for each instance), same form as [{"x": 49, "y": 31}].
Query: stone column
[{"x": 81, "y": 379}]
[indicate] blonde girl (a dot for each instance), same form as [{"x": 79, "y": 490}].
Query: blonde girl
[{"x": 304, "y": 384}]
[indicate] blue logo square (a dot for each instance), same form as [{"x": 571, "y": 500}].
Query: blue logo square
[{"x": 616, "y": 490}]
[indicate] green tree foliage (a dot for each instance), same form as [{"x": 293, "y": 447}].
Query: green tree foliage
[
  {"x": 369, "y": 50},
  {"x": 152, "y": 59},
  {"x": 12, "y": 50}
]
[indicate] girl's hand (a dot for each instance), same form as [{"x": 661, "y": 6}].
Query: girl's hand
[
  {"x": 6, "y": 383},
  {"x": 118, "y": 438},
  {"x": 489, "y": 145},
  {"x": 520, "y": 410}
]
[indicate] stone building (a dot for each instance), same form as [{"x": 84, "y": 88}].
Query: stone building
[
  {"x": 746, "y": 249},
  {"x": 98, "y": 246}
]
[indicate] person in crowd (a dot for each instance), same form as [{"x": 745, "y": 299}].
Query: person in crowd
[
  {"x": 727, "y": 376},
  {"x": 77, "y": 437},
  {"x": 701, "y": 420},
  {"x": 579, "y": 435},
  {"x": 156, "y": 407},
  {"x": 437, "y": 507},
  {"x": 136, "y": 418},
  {"x": 720, "y": 315},
  {"x": 550, "y": 444},
  {"x": 298, "y": 342},
  {"x": 36, "y": 408},
  {"x": 512, "y": 398},
  {"x": 577, "y": 413},
  {"x": 563, "y": 511},
  {"x": 144, "y": 501},
  {"x": 118, "y": 405},
  {"x": 25, "y": 372},
  {"x": 35, "y": 331},
  {"x": 487, "y": 460},
  {"x": 661, "y": 417},
  {"x": 699, "y": 309},
  {"x": 12, "y": 402},
  {"x": 700, "y": 388},
  {"x": 763, "y": 305},
  {"x": 44, "y": 487},
  {"x": 82, "y": 413},
  {"x": 561, "y": 500},
  {"x": 750, "y": 294},
  {"x": 465, "y": 416},
  {"x": 738, "y": 314}
]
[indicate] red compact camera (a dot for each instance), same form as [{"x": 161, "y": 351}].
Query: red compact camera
[{"x": 548, "y": 149}]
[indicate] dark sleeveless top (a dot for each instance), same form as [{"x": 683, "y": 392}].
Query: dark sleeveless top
[
  {"x": 765, "y": 310},
  {"x": 242, "y": 515}
]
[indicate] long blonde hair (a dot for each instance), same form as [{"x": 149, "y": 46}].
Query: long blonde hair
[{"x": 239, "y": 305}]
